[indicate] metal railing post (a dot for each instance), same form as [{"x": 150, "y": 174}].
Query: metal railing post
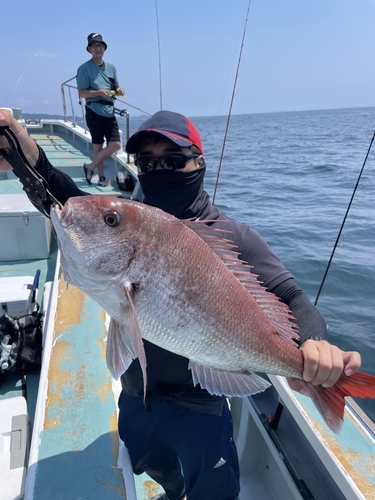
[
  {"x": 63, "y": 101},
  {"x": 127, "y": 130}
]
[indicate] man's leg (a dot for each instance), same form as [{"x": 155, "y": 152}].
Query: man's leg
[
  {"x": 97, "y": 149},
  {"x": 109, "y": 129},
  {"x": 96, "y": 126},
  {"x": 101, "y": 155},
  {"x": 208, "y": 455},
  {"x": 149, "y": 451}
]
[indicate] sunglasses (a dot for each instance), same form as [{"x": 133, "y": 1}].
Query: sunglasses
[{"x": 168, "y": 162}]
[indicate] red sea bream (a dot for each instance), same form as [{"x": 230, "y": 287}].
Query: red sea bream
[{"x": 181, "y": 286}]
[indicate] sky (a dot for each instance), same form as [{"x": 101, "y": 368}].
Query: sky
[{"x": 184, "y": 55}]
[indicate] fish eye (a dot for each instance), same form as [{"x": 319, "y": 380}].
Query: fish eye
[{"x": 112, "y": 219}]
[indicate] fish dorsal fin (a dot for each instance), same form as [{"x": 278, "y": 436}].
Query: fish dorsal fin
[
  {"x": 224, "y": 383},
  {"x": 218, "y": 240}
]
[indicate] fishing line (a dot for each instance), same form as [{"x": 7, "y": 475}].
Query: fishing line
[
  {"x": 157, "y": 28},
  {"x": 134, "y": 107},
  {"x": 231, "y": 104},
  {"x": 24, "y": 71},
  {"x": 343, "y": 222},
  {"x": 42, "y": 53}
]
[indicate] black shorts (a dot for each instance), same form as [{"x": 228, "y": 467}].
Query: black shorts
[{"x": 102, "y": 126}]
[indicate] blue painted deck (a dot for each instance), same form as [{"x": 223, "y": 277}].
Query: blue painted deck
[
  {"x": 79, "y": 442},
  {"x": 64, "y": 154}
]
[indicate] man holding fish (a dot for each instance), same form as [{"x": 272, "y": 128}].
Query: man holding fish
[{"x": 174, "y": 414}]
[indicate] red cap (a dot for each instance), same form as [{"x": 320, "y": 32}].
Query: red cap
[{"x": 175, "y": 127}]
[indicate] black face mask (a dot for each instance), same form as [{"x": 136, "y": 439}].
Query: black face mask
[{"x": 178, "y": 193}]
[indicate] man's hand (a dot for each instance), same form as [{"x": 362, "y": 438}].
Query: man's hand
[
  {"x": 103, "y": 93},
  {"x": 323, "y": 365},
  {"x": 120, "y": 91},
  {"x": 29, "y": 148}
]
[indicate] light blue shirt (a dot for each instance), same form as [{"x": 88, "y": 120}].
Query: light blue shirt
[{"x": 90, "y": 76}]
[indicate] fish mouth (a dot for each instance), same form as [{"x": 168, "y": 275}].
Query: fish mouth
[{"x": 63, "y": 215}]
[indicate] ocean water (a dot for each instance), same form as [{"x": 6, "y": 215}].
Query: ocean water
[{"x": 291, "y": 176}]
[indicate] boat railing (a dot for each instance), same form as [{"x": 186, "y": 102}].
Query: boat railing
[{"x": 68, "y": 88}]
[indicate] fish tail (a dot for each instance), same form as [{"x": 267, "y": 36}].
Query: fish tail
[{"x": 330, "y": 401}]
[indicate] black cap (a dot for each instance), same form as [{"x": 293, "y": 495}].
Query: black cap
[{"x": 95, "y": 37}]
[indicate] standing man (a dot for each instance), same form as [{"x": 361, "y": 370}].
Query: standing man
[{"x": 97, "y": 83}]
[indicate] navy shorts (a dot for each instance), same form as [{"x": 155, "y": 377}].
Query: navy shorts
[
  {"x": 170, "y": 439},
  {"x": 102, "y": 126}
]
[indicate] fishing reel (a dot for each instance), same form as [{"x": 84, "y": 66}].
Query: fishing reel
[{"x": 121, "y": 112}]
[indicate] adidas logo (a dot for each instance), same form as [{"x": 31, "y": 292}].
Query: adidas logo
[{"x": 220, "y": 463}]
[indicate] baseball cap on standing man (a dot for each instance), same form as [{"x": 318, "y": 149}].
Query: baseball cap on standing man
[
  {"x": 95, "y": 37},
  {"x": 175, "y": 127}
]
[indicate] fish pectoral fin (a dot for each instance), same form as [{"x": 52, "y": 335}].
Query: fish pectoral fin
[
  {"x": 225, "y": 383},
  {"x": 134, "y": 333},
  {"x": 118, "y": 354}
]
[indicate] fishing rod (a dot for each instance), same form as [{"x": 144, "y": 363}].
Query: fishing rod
[
  {"x": 231, "y": 104},
  {"x": 157, "y": 28},
  {"x": 343, "y": 222},
  {"x": 134, "y": 107}
]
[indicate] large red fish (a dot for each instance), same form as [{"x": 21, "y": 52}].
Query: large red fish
[{"x": 181, "y": 286}]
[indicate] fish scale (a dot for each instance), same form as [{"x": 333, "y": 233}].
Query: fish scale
[{"x": 180, "y": 285}]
